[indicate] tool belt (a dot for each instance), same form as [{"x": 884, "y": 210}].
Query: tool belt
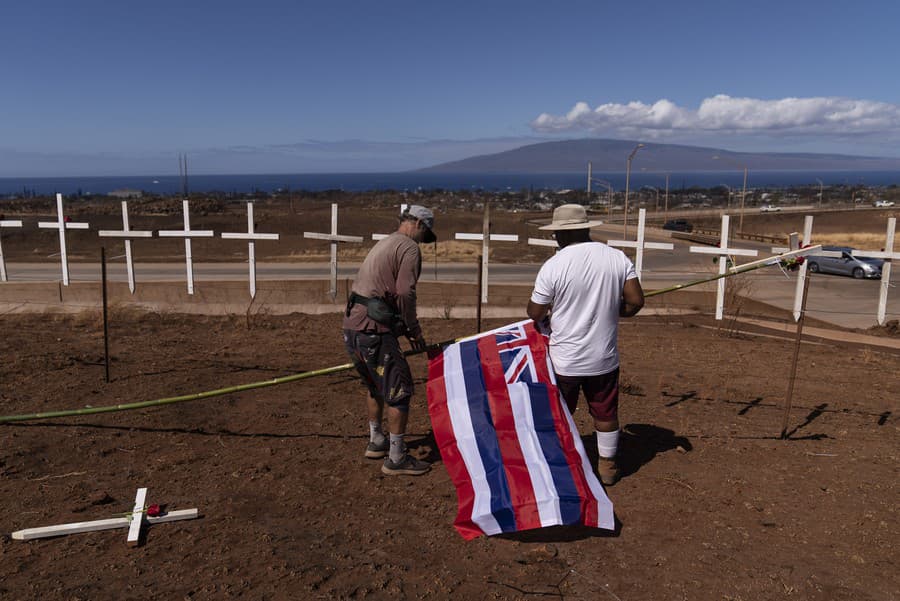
[{"x": 379, "y": 310}]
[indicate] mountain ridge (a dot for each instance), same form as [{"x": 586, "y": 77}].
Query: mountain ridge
[{"x": 572, "y": 156}]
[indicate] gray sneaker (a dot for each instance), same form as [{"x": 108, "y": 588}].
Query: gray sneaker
[
  {"x": 376, "y": 450},
  {"x": 408, "y": 466}
]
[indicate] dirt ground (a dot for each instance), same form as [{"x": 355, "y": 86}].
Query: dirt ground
[{"x": 713, "y": 504}]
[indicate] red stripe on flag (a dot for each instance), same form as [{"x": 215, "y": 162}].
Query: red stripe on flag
[
  {"x": 590, "y": 511},
  {"x": 446, "y": 441},
  {"x": 521, "y": 488}
]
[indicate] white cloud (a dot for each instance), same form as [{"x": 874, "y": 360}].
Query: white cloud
[{"x": 723, "y": 114}]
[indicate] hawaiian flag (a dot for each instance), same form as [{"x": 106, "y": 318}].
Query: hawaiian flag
[{"x": 507, "y": 439}]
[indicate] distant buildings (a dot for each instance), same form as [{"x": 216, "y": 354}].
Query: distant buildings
[{"x": 126, "y": 193}]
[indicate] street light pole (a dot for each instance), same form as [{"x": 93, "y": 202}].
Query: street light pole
[
  {"x": 666, "y": 212},
  {"x": 821, "y": 186},
  {"x": 743, "y": 198},
  {"x": 627, "y": 181},
  {"x": 609, "y": 202}
]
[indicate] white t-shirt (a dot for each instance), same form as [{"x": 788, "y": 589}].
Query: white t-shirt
[{"x": 584, "y": 284}]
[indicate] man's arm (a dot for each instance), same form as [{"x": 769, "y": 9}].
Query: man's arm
[
  {"x": 632, "y": 298},
  {"x": 407, "y": 276},
  {"x": 536, "y": 311}
]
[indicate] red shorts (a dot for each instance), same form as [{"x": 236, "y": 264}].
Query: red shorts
[{"x": 601, "y": 392}]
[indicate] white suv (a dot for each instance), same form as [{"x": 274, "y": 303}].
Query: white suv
[
  {"x": 884, "y": 203},
  {"x": 769, "y": 209}
]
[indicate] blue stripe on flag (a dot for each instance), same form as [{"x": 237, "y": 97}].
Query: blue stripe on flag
[
  {"x": 545, "y": 428},
  {"x": 486, "y": 436}
]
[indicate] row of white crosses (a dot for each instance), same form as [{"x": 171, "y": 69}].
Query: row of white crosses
[{"x": 127, "y": 234}]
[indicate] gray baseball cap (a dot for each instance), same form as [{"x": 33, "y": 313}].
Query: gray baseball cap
[{"x": 426, "y": 217}]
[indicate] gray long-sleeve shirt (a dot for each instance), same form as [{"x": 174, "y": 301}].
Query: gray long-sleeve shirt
[{"x": 390, "y": 270}]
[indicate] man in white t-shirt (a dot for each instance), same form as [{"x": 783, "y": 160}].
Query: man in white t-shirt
[{"x": 588, "y": 286}]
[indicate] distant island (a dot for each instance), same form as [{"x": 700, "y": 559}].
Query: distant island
[{"x": 572, "y": 156}]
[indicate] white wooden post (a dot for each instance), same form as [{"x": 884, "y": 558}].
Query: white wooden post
[
  {"x": 187, "y": 234},
  {"x": 250, "y": 236},
  {"x": 403, "y": 208},
  {"x": 333, "y": 238},
  {"x": 640, "y": 244},
  {"x": 888, "y": 255},
  {"x": 485, "y": 237},
  {"x": 61, "y": 225},
  {"x": 723, "y": 252},
  {"x": 542, "y": 242},
  {"x": 128, "y": 234},
  {"x": 6, "y": 223},
  {"x": 801, "y": 274}
]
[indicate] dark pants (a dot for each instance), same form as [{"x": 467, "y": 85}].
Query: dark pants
[
  {"x": 601, "y": 392},
  {"x": 382, "y": 365}
]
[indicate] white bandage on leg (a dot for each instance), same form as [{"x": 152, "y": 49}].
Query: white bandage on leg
[{"x": 608, "y": 444}]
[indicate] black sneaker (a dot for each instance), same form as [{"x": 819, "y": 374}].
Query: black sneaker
[
  {"x": 408, "y": 466},
  {"x": 376, "y": 450}
]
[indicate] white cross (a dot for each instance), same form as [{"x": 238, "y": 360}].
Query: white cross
[
  {"x": 6, "y": 223},
  {"x": 134, "y": 522},
  {"x": 639, "y": 245},
  {"x": 187, "y": 234},
  {"x": 251, "y": 235},
  {"x": 61, "y": 225},
  {"x": 888, "y": 255},
  {"x": 724, "y": 252},
  {"x": 128, "y": 234},
  {"x": 542, "y": 242},
  {"x": 403, "y": 208},
  {"x": 486, "y": 236},
  {"x": 334, "y": 238}
]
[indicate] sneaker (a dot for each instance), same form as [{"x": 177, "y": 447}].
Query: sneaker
[
  {"x": 376, "y": 450},
  {"x": 408, "y": 466},
  {"x": 608, "y": 470}
]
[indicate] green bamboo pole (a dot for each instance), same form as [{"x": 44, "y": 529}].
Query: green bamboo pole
[{"x": 5, "y": 419}]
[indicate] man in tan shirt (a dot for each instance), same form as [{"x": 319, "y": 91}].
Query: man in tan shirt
[{"x": 381, "y": 308}]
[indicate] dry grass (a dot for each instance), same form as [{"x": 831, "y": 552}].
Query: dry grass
[{"x": 854, "y": 239}]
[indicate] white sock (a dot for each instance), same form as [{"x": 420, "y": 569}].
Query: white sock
[
  {"x": 398, "y": 449},
  {"x": 375, "y": 433},
  {"x": 608, "y": 444}
]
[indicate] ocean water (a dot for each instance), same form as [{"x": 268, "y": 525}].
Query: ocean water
[{"x": 412, "y": 181}]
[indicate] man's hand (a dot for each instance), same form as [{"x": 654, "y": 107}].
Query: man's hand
[{"x": 418, "y": 342}]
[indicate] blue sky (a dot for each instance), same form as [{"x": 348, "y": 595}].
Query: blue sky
[{"x": 121, "y": 87}]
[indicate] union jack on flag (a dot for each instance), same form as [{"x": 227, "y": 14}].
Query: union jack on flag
[{"x": 507, "y": 439}]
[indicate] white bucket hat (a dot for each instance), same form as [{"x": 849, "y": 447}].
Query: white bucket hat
[{"x": 570, "y": 217}]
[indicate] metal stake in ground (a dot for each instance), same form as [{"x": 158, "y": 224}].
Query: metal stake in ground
[
  {"x": 485, "y": 237},
  {"x": 793, "y": 377},
  {"x": 187, "y": 233},
  {"x": 639, "y": 245},
  {"x": 105, "y": 311},
  {"x": 888, "y": 254},
  {"x": 724, "y": 254},
  {"x": 133, "y": 521},
  {"x": 478, "y": 300},
  {"x": 6, "y": 223},
  {"x": 128, "y": 234},
  {"x": 251, "y": 235},
  {"x": 62, "y": 225},
  {"x": 333, "y": 238}
]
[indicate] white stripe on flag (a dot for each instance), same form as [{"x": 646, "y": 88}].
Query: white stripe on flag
[
  {"x": 541, "y": 478},
  {"x": 605, "y": 518},
  {"x": 465, "y": 440}
]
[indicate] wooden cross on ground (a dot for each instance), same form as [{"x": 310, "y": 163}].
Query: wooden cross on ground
[
  {"x": 6, "y": 223},
  {"x": 403, "y": 208},
  {"x": 640, "y": 244},
  {"x": 250, "y": 236},
  {"x": 888, "y": 255},
  {"x": 133, "y": 521},
  {"x": 485, "y": 237},
  {"x": 724, "y": 254},
  {"x": 187, "y": 233},
  {"x": 62, "y": 225},
  {"x": 333, "y": 238},
  {"x": 128, "y": 234}
]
